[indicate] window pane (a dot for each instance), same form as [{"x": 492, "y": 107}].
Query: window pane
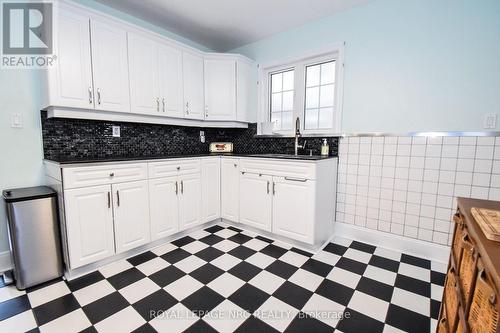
[
  {"x": 286, "y": 120},
  {"x": 326, "y": 95},
  {"x": 311, "y": 121},
  {"x": 276, "y": 120},
  {"x": 287, "y": 101},
  {"x": 288, "y": 80},
  {"x": 312, "y": 97},
  {"x": 276, "y": 102},
  {"x": 312, "y": 76},
  {"x": 325, "y": 118},
  {"x": 328, "y": 72},
  {"x": 276, "y": 82}
]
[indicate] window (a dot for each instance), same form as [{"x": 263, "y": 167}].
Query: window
[
  {"x": 309, "y": 88},
  {"x": 282, "y": 94}
]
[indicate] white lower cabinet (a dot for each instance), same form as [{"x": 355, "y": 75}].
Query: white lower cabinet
[
  {"x": 189, "y": 200},
  {"x": 89, "y": 224},
  {"x": 210, "y": 188},
  {"x": 164, "y": 206},
  {"x": 131, "y": 212},
  {"x": 293, "y": 208},
  {"x": 256, "y": 200},
  {"x": 230, "y": 189}
]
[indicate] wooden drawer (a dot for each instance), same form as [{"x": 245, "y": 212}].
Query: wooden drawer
[
  {"x": 76, "y": 177},
  {"x": 451, "y": 300},
  {"x": 467, "y": 268},
  {"x": 174, "y": 167},
  {"x": 284, "y": 168},
  {"x": 484, "y": 309}
]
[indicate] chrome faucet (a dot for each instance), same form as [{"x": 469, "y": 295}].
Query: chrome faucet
[{"x": 297, "y": 135}]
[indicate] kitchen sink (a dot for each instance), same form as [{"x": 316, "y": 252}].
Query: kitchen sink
[{"x": 290, "y": 156}]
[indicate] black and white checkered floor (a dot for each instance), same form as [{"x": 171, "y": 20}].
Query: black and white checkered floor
[{"x": 224, "y": 279}]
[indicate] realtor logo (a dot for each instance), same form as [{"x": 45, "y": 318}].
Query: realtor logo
[
  {"x": 27, "y": 28},
  {"x": 27, "y": 34}
]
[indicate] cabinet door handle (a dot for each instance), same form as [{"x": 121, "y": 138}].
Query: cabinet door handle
[
  {"x": 187, "y": 107},
  {"x": 182, "y": 187},
  {"x": 268, "y": 187},
  {"x": 296, "y": 179},
  {"x": 98, "y": 96},
  {"x": 90, "y": 95},
  {"x": 274, "y": 188},
  {"x": 109, "y": 199},
  {"x": 118, "y": 198},
  {"x": 163, "y": 102},
  {"x": 176, "y": 188},
  {"x": 158, "y": 104}
]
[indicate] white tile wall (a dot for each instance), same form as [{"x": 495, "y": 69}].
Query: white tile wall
[{"x": 408, "y": 185}]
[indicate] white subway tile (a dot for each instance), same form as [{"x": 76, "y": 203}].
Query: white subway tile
[
  {"x": 496, "y": 154},
  {"x": 404, "y": 140},
  {"x": 430, "y": 187},
  {"x": 426, "y": 223},
  {"x": 418, "y": 150},
  {"x": 386, "y": 194},
  {"x": 429, "y": 199},
  {"x": 445, "y": 189},
  {"x": 373, "y": 203},
  {"x": 449, "y": 164},
  {"x": 419, "y": 140},
  {"x": 442, "y": 225},
  {"x": 436, "y": 140},
  {"x": 403, "y": 150},
  {"x": 465, "y": 165},
  {"x": 443, "y": 214},
  {"x": 371, "y": 223},
  {"x": 401, "y": 173},
  {"x": 384, "y": 226},
  {"x": 391, "y": 140},
  {"x": 385, "y": 215},
  {"x": 416, "y": 174},
  {"x": 496, "y": 167},
  {"x": 410, "y": 231},
  {"x": 372, "y": 213},
  {"x": 485, "y": 141},
  {"x": 444, "y": 201},
  {"x": 427, "y": 211},
  {"x": 389, "y": 161},
  {"x": 450, "y": 140},
  {"x": 364, "y": 159},
  {"x": 494, "y": 194},
  {"x": 390, "y": 149},
  {"x": 481, "y": 179},
  {"x": 462, "y": 191},
  {"x": 417, "y": 162},
  {"x": 365, "y": 148},
  {"x": 495, "y": 181},
  {"x": 378, "y": 140},
  {"x": 397, "y": 228},
  {"x": 431, "y": 175},
  {"x": 479, "y": 192},
  {"x": 401, "y": 184},
  {"x": 403, "y": 161},
  {"x": 363, "y": 170},
  {"x": 411, "y": 220},
  {"x": 433, "y": 150},
  {"x": 484, "y": 166},
  {"x": 440, "y": 237},
  {"x": 398, "y": 207},
  {"x": 365, "y": 140},
  {"x": 468, "y": 140},
  {"x": 415, "y": 185},
  {"x": 446, "y": 177},
  {"x": 450, "y": 151},
  {"x": 414, "y": 197},
  {"x": 386, "y": 204},
  {"x": 425, "y": 235},
  {"x": 387, "y": 183},
  {"x": 377, "y": 149},
  {"x": 354, "y": 140},
  {"x": 432, "y": 163},
  {"x": 466, "y": 151},
  {"x": 412, "y": 209}
]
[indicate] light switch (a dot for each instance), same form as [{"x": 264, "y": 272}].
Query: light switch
[
  {"x": 16, "y": 120},
  {"x": 490, "y": 121},
  {"x": 116, "y": 131}
]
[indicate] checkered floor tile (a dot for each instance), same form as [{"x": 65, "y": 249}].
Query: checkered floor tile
[{"x": 223, "y": 279}]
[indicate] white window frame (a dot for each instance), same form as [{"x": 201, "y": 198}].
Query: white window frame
[{"x": 299, "y": 64}]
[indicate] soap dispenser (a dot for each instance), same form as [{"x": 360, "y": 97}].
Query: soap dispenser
[{"x": 325, "y": 148}]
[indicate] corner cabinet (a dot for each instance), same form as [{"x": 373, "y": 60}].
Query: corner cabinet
[
  {"x": 104, "y": 64},
  {"x": 230, "y": 189},
  {"x": 256, "y": 200}
]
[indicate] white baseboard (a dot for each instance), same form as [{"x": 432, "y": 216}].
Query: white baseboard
[
  {"x": 5, "y": 261},
  {"x": 418, "y": 248}
]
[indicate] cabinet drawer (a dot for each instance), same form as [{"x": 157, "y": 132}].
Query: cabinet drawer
[
  {"x": 103, "y": 174},
  {"x": 300, "y": 170},
  {"x": 173, "y": 168}
]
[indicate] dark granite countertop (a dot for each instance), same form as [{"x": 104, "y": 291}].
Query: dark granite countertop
[{"x": 72, "y": 160}]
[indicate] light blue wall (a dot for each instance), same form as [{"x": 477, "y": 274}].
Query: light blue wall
[
  {"x": 412, "y": 65},
  {"x": 21, "y": 149}
]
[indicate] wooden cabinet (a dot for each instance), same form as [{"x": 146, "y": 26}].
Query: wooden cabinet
[
  {"x": 210, "y": 188},
  {"x": 293, "y": 208},
  {"x": 89, "y": 224},
  {"x": 164, "y": 207},
  {"x": 70, "y": 81},
  {"x": 192, "y": 68},
  {"x": 131, "y": 215},
  {"x": 220, "y": 89},
  {"x": 230, "y": 189},
  {"x": 470, "y": 299},
  {"x": 256, "y": 200},
  {"x": 110, "y": 70}
]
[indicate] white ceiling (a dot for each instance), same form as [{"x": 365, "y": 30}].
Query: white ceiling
[{"x": 223, "y": 25}]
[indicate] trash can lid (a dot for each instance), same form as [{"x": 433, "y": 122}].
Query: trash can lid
[{"x": 28, "y": 193}]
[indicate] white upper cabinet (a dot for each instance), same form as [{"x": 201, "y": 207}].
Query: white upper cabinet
[
  {"x": 170, "y": 80},
  {"x": 192, "y": 68},
  {"x": 220, "y": 89},
  {"x": 143, "y": 72},
  {"x": 245, "y": 89},
  {"x": 109, "y": 62},
  {"x": 70, "y": 81}
]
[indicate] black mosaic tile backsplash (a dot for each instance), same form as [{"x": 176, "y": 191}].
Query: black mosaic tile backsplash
[{"x": 79, "y": 140}]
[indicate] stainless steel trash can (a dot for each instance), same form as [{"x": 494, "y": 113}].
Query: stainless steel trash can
[{"x": 34, "y": 235}]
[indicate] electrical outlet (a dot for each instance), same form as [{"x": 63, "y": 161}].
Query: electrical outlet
[
  {"x": 202, "y": 136},
  {"x": 16, "y": 120},
  {"x": 116, "y": 131},
  {"x": 490, "y": 121}
]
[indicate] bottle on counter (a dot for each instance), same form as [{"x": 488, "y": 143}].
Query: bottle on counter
[{"x": 325, "y": 148}]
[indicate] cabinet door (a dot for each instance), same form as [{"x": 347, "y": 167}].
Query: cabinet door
[
  {"x": 71, "y": 78},
  {"x": 220, "y": 89},
  {"x": 170, "y": 80},
  {"x": 293, "y": 208},
  {"x": 230, "y": 189},
  {"x": 131, "y": 210},
  {"x": 109, "y": 67},
  {"x": 256, "y": 200},
  {"x": 143, "y": 72},
  {"x": 189, "y": 201},
  {"x": 192, "y": 69},
  {"x": 89, "y": 224},
  {"x": 210, "y": 188},
  {"x": 163, "y": 206},
  {"x": 245, "y": 88}
]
